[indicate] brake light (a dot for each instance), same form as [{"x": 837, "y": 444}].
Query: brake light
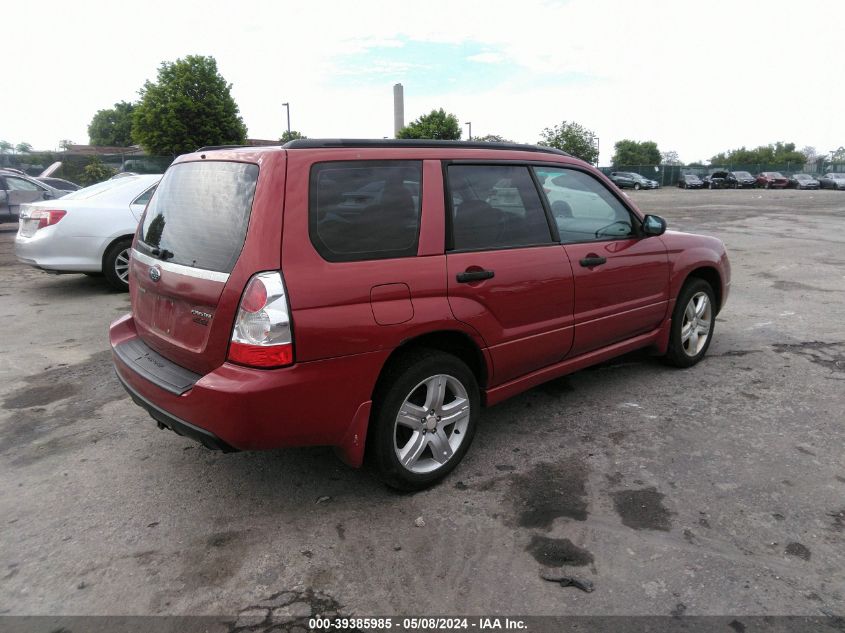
[
  {"x": 46, "y": 218},
  {"x": 262, "y": 334}
]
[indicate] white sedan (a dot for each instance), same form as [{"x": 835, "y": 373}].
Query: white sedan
[{"x": 87, "y": 231}]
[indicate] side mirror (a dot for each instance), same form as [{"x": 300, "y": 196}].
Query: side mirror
[{"x": 653, "y": 225}]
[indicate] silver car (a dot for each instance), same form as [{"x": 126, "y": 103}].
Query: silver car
[{"x": 16, "y": 188}]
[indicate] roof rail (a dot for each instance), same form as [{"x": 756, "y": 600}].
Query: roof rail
[{"x": 313, "y": 143}]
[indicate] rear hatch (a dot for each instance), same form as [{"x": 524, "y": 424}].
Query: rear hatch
[{"x": 185, "y": 278}]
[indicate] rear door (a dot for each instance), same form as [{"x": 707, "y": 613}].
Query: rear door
[
  {"x": 621, "y": 278},
  {"x": 507, "y": 276},
  {"x": 185, "y": 281}
]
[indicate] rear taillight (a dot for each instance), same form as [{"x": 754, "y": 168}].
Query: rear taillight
[
  {"x": 46, "y": 218},
  {"x": 262, "y": 333}
]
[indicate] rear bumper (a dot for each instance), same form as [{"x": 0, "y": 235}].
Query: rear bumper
[
  {"x": 164, "y": 419},
  {"x": 52, "y": 252},
  {"x": 324, "y": 402}
]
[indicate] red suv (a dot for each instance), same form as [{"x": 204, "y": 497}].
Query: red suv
[{"x": 374, "y": 295}]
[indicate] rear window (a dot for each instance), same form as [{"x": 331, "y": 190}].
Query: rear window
[{"x": 199, "y": 214}]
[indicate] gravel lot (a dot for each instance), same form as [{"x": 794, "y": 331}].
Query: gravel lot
[{"x": 715, "y": 490}]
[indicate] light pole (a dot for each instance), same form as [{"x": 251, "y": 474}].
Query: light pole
[
  {"x": 596, "y": 139},
  {"x": 469, "y": 123},
  {"x": 287, "y": 107}
]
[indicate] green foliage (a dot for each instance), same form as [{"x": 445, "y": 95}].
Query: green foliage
[
  {"x": 65, "y": 144},
  {"x": 95, "y": 171},
  {"x": 573, "y": 138},
  {"x": 838, "y": 156},
  {"x": 23, "y": 148},
  {"x": 188, "y": 107},
  {"x": 437, "y": 124},
  {"x": 635, "y": 153},
  {"x": 112, "y": 127},
  {"x": 491, "y": 138},
  {"x": 6, "y": 147},
  {"x": 772, "y": 154},
  {"x": 291, "y": 136}
]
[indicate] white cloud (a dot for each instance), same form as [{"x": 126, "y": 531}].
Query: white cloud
[{"x": 695, "y": 79}]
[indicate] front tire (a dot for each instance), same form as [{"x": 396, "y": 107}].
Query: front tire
[
  {"x": 424, "y": 418},
  {"x": 693, "y": 321},
  {"x": 636, "y": 186},
  {"x": 116, "y": 264}
]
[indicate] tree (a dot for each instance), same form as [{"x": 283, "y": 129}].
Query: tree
[
  {"x": 634, "y": 153},
  {"x": 95, "y": 171},
  {"x": 838, "y": 156},
  {"x": 23, "y": 148},
  {"x": 492, "y": 138},
  {"x": 670, "y": 158},
  {"x": 572, "y": 138},
  {"x": 112, "y": 127},
  {"x": 779, "y": 153},
  {"x": 66, "y": 143},
  {"x": 437, "y": 124},
  {"x": 188, "y": 107},
  {"x": 6, "y": 147},
  {"x": 293, "y": 135}
]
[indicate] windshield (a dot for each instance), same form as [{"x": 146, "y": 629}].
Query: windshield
[{"x": 96, "y": 190}]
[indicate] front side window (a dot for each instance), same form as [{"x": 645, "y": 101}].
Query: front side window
[
  {"x": 494, "y": 207},
  {"x": 363, "y": 210},
  {"x": 583, "y": 208},
  {"x": 19, "y": 184}
]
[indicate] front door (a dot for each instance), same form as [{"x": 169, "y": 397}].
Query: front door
[
  {"x": 506, "y": 276},
  {"x": 621, "y": 277}
]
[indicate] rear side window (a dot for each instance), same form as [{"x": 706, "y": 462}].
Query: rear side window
[
  {"x": 199, "y": 214},
  {"x": 495, "y": 206},
  {"x": 361, "y": 210}
]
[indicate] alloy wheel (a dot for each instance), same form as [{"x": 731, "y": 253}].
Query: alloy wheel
[
  {"x": 695, "y": 328},
  {"x": 431, "y": 424},
  {"x": 121, "y": 265}
]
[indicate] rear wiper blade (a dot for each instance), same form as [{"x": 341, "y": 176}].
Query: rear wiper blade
[{"x": 161, "y": 253}]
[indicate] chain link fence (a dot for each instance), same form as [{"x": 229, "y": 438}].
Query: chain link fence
[
  {"x": 73, "y": 166},
  {"x": 668, "y": 175}
]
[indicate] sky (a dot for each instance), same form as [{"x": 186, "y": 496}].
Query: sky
[{"x": 697, "y": 78}]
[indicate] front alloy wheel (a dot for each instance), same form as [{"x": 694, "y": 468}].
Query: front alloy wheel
[
  {"x": 693, "y": 321},
  {"x": 695, "y": 329}
]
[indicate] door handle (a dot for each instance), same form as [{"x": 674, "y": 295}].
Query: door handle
[
  {"x": 593, "y": 260},
  {"x": 474, "y": 275}
]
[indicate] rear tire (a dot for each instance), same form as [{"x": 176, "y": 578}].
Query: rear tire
[
  {"x": 693, "y": 321},
  {"x": 116, "y": 264},
  {"x": 636, "y": 186},
  {"x": 409, "y": 445}
]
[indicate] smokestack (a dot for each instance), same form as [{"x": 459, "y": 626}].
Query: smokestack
[{"x": 398, "y": 108}]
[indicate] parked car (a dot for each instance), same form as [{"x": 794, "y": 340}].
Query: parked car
[
  {"x": 832, "y": 180},
  {"x": 271, "y": 309},
  {"x": 741, "y": 180},
  {"x": 803, "y": 181},
  {"x": 16, "y": 188},
  {"x": 690, "y": 181},
  {"x": 729, "y": 180},
  {"x": 59, "y": 183},
  {"x": 628, "y": 179},
  {"x": 87, "y": 231},
  {"x": 772, "y": 180}
]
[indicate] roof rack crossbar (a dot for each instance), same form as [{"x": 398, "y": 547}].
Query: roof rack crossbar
[{"x": 401, "y": 142}]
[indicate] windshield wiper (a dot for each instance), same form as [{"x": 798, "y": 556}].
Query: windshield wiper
[{"x": 161, "y": 253}]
